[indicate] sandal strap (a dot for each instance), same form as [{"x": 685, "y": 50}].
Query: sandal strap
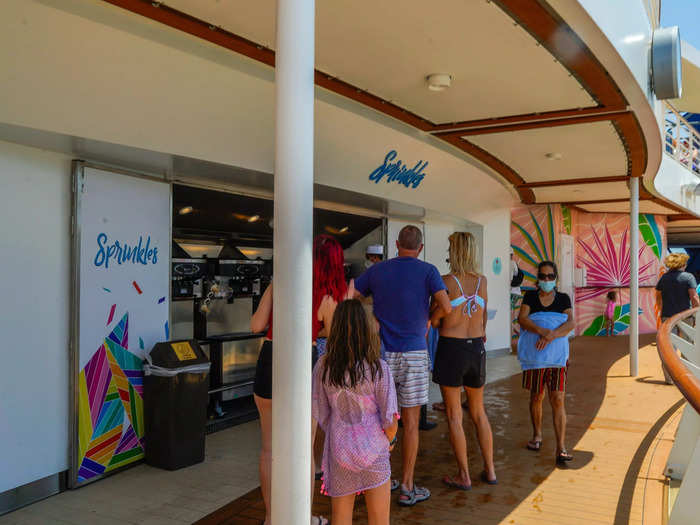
[{"x": 420, "y": 491}]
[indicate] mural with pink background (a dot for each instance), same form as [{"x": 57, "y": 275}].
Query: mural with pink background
[{"x": 602, "y": 247}]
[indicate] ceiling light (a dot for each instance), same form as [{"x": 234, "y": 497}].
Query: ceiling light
[
  {"x": 438, "y": 81},
  {"x": 336, "y": 231},
  {"x": 553, "y": 156},
  {"x": 254, "y": 218},
  {"x": 186, "y": 210}
]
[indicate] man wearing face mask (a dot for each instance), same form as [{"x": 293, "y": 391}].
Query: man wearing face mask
[{"x": 543, "y": 350}]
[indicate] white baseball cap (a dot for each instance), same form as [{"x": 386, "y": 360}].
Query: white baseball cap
[{"x": 375, "y": 249}]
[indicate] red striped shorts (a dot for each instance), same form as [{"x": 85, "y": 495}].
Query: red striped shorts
[{"x": 555, "y": 379}]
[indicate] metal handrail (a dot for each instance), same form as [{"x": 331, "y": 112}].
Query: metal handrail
[
  {"x": 681, "y": 140},
  {"x": 685, "y": 380}
]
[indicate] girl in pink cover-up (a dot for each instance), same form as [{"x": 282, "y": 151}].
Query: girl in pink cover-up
[
  {"x": 610, "y": 313},
  {"x": 354, "y": 402}
]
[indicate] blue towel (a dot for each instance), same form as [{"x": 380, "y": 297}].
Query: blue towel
[
  {"x": 555, "y": 354},
  {"x": 433, "y": 336}
]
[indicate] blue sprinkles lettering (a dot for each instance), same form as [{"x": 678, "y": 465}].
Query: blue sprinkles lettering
[{"x": 399, "y": 172}]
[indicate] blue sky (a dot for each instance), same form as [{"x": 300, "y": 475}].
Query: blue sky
[{"x": 686, "y": 15}]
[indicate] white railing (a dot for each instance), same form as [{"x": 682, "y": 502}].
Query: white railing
[
  {"x": 679, "y": 334},
  {"x": 681, "y": 141}
]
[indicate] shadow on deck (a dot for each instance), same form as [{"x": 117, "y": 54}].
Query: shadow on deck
[{"x": 613, "y": 420}]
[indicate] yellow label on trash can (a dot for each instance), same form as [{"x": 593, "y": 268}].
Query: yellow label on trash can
[{"x": 183, "y": 351}]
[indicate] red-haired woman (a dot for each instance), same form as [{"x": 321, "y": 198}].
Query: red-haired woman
[{"x": 329, "y": 289}]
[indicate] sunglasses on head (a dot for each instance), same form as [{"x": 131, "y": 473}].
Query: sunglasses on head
[{"x": 547, "y": 276}]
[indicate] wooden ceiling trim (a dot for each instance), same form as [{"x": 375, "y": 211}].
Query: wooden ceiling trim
[
  {"x": 566, "y": 46},
  {"x": 598, "y": 201},
  {"x": 533, "y": 15},
  {"x": 194, "y": 26},
  {"x": 669, "y": 205},
  {"x": 526, "y": 195},
  {"x": 633, "y": 139},
  {"x": 682, "y": 217},
  {"x": 168, "y": 16},
  {"x": 570, "y": 182},
  {"x": 529, "y": 117},
  {"x": 571, "y": 121}
]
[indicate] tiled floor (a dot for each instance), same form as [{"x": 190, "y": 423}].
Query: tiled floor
[
  {"x": 620, "y": 430},
  {"x": 150, "y": 496}
]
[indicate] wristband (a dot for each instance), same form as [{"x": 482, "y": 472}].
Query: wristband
[{"x": 393, "y": 441}]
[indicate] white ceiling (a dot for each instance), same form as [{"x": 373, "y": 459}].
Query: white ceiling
[
  {"x": 587, "y": 150},
  {"x": 498, "y": 67},
  {"x": 582, "y": 192},
  {"x": 624, "y": 207}
]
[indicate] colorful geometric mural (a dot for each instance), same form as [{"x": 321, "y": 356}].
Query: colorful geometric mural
[{"x": 110, "y": 420}]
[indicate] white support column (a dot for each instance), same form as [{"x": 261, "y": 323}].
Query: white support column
[
  {"x": 293, "y": 231},
  {"x": 634, "y": 276}
]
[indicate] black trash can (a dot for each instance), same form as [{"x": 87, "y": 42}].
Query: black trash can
[{"x": 175, "y": 398}]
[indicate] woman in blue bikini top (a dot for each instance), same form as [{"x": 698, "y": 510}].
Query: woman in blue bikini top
[
  {"x": 473, "y": 302},
  {"x": 460, "y": 358}
]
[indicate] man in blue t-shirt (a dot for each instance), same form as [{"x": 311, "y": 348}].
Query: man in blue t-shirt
[{"x": 401, "y": 289}]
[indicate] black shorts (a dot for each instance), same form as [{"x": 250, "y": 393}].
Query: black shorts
[
  {"x": 460, "y": 362},
  {"x": 262, "y": 387}
]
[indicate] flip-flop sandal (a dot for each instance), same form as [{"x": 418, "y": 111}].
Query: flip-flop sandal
[
  {"x": 534, "y": 444},
  {"x": 447, "y": 480},
  {"x": 563, "y": 457},
  {"x": 395, "y": 484},
  {"x": 439, "y": 407},
  {"x": 485, "y": 479},
  {"x": 414, "y": 496}
]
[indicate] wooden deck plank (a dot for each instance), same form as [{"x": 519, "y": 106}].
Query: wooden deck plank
[{"x": 613, "y": 420}]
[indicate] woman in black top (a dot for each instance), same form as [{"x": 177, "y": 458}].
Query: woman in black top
[
  {"x": 547, "y": 299},
  {"x": 675, "y": 292}
]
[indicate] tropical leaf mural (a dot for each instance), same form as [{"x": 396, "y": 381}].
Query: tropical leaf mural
[
  {"x": 650, "y": 233},
  {"x": 621, "y": 322},
  {"x": 607, "y": 262},
  {"x": 538, "y": 242},
  {"x": 566, "y": 218}
]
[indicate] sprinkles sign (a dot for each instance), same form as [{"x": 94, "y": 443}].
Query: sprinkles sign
[{"x": 399, "y": 172}]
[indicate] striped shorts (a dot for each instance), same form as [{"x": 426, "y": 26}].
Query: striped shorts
[
  {"x": 554, "y": 378},
  {"x": 411, "y": 372}
]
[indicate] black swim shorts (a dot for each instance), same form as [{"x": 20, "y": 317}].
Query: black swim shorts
[
  {"x": 460, "y": 362},
  {"x": 263, "y": 370}
]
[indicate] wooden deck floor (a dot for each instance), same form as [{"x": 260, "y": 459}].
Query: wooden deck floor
[{"x": 620, "y": 430}]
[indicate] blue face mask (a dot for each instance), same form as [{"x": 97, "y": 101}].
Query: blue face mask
[{"x": 547, "y": 286}]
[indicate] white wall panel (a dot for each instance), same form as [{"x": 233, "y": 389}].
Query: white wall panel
[{"x": 34, "y": 314}]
